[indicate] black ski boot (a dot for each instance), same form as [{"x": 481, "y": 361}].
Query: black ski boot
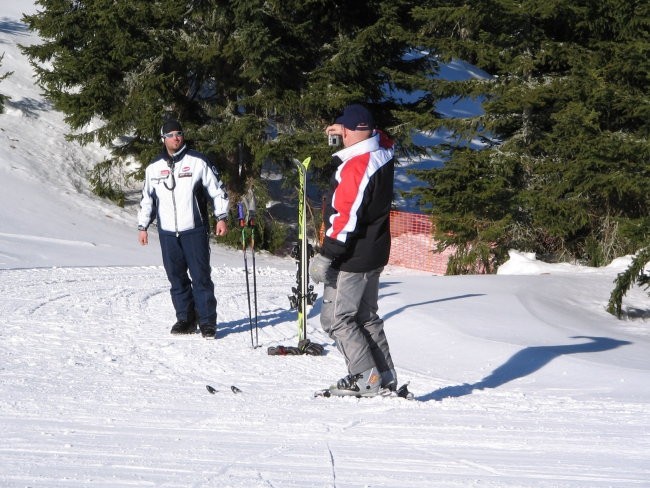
[
  {"x": 187, "y": 326},
  {"x": 208, "y": 331},
  {"x": 184, "y": 327}
]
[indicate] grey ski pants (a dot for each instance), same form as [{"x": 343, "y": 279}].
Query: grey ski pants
[{"x": 349, "y": 317}]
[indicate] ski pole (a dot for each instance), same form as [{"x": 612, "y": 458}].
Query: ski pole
[
  {"x": 242, "y": 224},
  {"x": 251, "y": 225}
]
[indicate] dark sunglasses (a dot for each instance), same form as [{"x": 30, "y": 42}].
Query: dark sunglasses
[{"x": 173, "y": 134}]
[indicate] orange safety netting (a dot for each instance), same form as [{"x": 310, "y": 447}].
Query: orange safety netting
[{"x": 412, "y": 244}]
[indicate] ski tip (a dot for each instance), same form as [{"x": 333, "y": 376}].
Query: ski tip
[
  {"x": 212, "y": 390},
  {"x": 323, "y": 393},
  {"x": 304, "y": 163}
]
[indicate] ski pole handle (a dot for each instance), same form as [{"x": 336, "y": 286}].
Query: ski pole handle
[{"x": 242, "y": 215}]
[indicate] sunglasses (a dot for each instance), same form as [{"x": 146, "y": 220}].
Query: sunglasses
[{"x": 173, "y": 134}]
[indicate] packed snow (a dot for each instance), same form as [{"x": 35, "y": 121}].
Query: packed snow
[{"x": 521, "y": 379}]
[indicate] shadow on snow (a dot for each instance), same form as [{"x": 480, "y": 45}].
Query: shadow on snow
[
  {"x": 399, "y": 310},
  {"x": 8, "y": 26},
  {"x": 524, "y": 363}
]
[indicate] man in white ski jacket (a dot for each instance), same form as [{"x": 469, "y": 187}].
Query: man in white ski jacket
[{"x": 177, "y": 185}]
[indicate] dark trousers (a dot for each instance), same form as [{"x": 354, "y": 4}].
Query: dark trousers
[{"x": 190, "y": 251}]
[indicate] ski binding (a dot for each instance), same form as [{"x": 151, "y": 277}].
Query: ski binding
[{"x": 401, "y": 392}]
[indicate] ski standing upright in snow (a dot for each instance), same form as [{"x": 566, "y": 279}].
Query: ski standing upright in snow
[
  {"x": 303, "y": 292},
  {"x": 246, "y": 210}
]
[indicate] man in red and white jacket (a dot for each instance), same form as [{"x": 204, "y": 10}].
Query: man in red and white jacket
[{"x": 355, "y": 250}]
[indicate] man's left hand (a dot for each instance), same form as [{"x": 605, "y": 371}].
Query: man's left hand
[
  {"x": 319, "y": 267},
  {"x": 221, "y": 228}
]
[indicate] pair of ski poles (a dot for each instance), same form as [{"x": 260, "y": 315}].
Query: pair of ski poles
[{"x": 247, "y": 220}]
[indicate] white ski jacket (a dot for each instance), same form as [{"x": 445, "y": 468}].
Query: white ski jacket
[{"x": 176, "y": 189}]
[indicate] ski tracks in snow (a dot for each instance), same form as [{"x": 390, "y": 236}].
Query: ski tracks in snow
[{"x": 95, "y": 392}]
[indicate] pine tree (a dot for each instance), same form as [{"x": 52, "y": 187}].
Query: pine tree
[
  {"x": 565, "y": 172},
  {"x": 635, "y": 274},
  {"x": 3, "y": 98},
  {"x": 251, "y": 80}
]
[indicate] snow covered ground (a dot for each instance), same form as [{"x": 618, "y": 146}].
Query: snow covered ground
[{"x": 521, "y": 379}]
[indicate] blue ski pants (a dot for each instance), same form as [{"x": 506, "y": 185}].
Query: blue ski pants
[{"x": 190, "y": 252}]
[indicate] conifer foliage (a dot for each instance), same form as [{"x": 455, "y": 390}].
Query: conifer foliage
[
  {"x": 565, "y": 172},
  {"x": 636, "y": 274},
  {"x": 3, "y": 98},
  {"x": 251, "y": 80}
]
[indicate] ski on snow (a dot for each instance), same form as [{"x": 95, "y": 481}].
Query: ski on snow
[{"x": 401, "y": 392}]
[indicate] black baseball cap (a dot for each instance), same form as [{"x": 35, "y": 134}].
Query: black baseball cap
[{"x": 356, "y": 117}]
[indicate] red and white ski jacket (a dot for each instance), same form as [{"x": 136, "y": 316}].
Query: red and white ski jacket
[
  {"x": 176, "y": 189},
  {"x": 357, "y": 214}
]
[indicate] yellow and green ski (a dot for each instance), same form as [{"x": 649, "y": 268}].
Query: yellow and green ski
[{"x": 303, "y": 292}]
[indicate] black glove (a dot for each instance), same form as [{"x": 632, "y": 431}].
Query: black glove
[
  {"x": 310, "y": 348},
  {"x": 319, "y": 267}
]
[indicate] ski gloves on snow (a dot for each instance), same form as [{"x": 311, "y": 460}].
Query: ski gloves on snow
[
  {"x": 318, "y": 268},
  {"x": 283, "y": 351},
  {"x": 310, "y": 348},
  {"x": 305, "y": 346}
]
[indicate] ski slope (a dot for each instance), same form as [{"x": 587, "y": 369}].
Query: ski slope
[{"x": 521, "y": 379}]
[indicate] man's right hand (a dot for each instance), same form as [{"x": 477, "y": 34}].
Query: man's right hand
[
  {"x": 334, "y": 130},
  {"x": 143, "y": 237}
]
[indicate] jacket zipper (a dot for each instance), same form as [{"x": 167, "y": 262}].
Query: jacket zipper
[{"x": 174, "y": 202}]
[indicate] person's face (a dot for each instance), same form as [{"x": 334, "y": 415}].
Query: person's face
[
  {"x": 173, "y": 141},
  {"x": 351, "y": 137},
  {"x": 348, "y": 137}
]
